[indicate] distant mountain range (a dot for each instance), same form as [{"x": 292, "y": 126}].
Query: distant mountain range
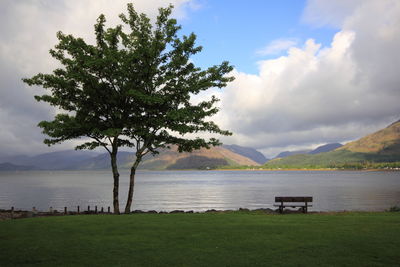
[
  {"x": 60, "y": 160},
  {"x": 214, "y": 157},
  {"x": 248, "y": 152},
  {"x": 379, "y": 147},
  {"x": 285, "y": 154},
  {"x": 320, "y": 149},
  {"x": 6, "y": 166},
  {"x": 169, "y": 159},
  {"x": 382, "y": 146},
  {"x": 325, "y": 148}
]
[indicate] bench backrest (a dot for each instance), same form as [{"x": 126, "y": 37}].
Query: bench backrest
[{"x": 293, "y": 199}]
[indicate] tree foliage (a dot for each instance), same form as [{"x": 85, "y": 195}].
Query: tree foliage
[{"x": 132, "y": 88}]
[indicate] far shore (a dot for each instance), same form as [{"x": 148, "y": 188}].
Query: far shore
[
  {"x": 222, "y": 169},
  {"x": 305, "y": 169}
]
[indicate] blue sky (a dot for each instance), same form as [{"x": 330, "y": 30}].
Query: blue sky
[
  {"x": 307, "y": 72},
  {"x": 236, "y": 30}
]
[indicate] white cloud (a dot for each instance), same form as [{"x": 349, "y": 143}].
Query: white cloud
[
  {"x": 320, "y": 94},
  {"x": 277, "y": 46}
]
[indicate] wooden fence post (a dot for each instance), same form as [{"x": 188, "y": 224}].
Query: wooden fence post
[
  {"x": 65, "y": 210},
  {"x": 34, "y": 211},
  {"x": 78, "y": 209},
  {"x": 108, "y": 209},
  {"x": 95, "y": 209},
  {"x": 12, "y": 212},
  {"x": 102, "y": 210},
  {"x": 88, "y": 208}
]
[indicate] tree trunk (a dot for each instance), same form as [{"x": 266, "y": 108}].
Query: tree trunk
[
  {"x": 132, "y": 184},
  {"x": 116, "y": 182}
]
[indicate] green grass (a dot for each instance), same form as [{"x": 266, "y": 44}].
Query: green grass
[{"x": 220, "y": 239}]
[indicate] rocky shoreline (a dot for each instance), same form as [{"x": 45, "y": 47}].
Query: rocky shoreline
[{"x": 20, "y": 214}]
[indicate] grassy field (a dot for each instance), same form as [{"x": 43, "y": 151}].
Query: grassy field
[{"x": 207, "y": 239}]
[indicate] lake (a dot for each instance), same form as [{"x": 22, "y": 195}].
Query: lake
[{"x": 201, "y": 190}]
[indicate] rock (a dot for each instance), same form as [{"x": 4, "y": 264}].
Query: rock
[
  {"x": 137, "y": 211},
  {"x": 177, "y": 211},
  {"x": 241, "y": 209},
  {"x": 152, "y": 211},
  {"x": 267, "y": 210},
  {"x": 211, "y": 210}
]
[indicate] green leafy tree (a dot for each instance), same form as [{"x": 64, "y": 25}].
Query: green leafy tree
[{"x": 133, "y": 89}]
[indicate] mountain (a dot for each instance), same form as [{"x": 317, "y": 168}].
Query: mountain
[
  {"x": 166, "y": 159},
  {"x": 384, "y": 142},
  {"x": 6, "y": 166},
  {"x": 102, "y": 161},
  {"x": 375, "y": 149},
  {"x": 285, "y": 154},
  {"x": 171, "y": 159},
  {"x": 60, "y": 160},
  {"x": 320, "y": 149},
  {"x": 325, "y": 148},
  {"x": 248, "y": 152},
  {"x": 198, "y": 159}
]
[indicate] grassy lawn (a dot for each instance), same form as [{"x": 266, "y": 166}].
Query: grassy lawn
[{"x": 220, "y": 239}]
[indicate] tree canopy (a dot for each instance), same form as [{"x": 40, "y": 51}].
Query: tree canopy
[{"x": 132, "y": 88}]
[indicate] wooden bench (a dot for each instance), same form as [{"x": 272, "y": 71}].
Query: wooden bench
[{"x": 293, "y": 202}]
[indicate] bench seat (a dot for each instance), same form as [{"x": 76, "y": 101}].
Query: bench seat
[{"x": 293, "y": 202}]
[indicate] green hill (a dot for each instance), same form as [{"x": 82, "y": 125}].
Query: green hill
[
  {"x": 378, "y": 150},
  {"x": 383, "y": 142}
]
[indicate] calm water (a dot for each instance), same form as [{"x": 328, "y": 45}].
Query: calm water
[{"x": 201, "y": 190}]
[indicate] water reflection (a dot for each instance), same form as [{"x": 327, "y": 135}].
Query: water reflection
[{"x": 201, "y": 190}]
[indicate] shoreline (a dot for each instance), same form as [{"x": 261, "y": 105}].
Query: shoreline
[
  {"x": 227, "y": 169},
  {"x": 22, "y": 214},
  {"x": 305, "y": 169}
]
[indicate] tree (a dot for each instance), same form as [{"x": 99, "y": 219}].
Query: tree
[{"x": 133, "y": 89}]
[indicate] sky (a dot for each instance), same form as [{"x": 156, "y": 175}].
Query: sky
[{"x": 307, "y": 72}]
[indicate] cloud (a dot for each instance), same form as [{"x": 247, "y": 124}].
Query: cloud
[
  {"x": 322, "y": 13},
  {"x": 316, "y": 94},
  {"x": 277, "y": 46},
  {"x": 28, "y": 31}
]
